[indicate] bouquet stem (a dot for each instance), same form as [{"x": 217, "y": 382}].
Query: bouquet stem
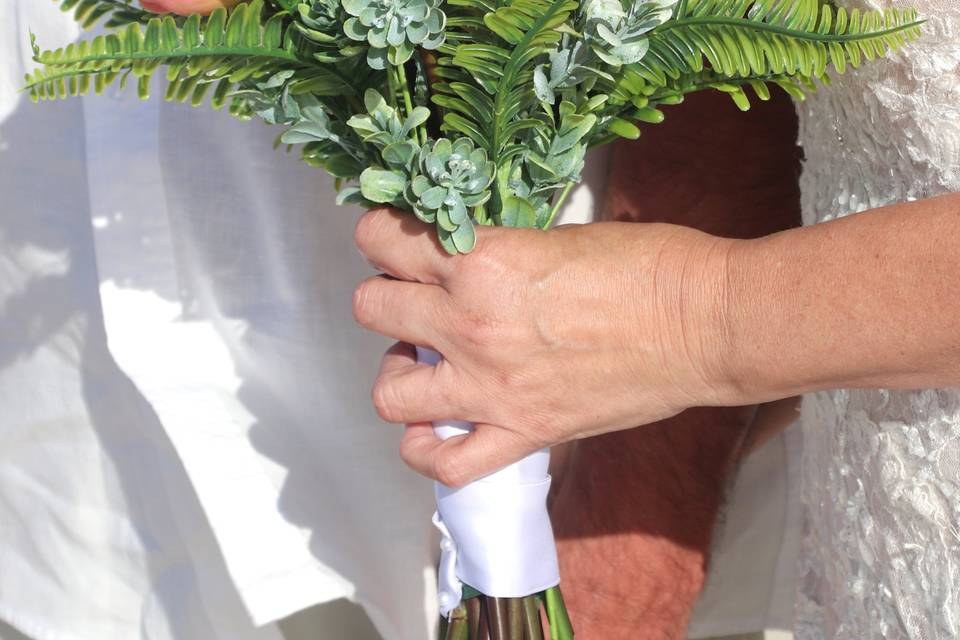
[
  {"x": 560, "y": 627},
  {"x": 456, "y": 626},
  {"x": 488, "y": 618},
  {"x": 497, "y": 609},
  {"x": 532, "y": 627}
]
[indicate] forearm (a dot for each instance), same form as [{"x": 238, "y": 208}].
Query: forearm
[{"x": 870, "y": 300}]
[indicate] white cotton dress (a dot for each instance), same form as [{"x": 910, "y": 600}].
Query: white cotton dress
[{"x": 881, "y": 478}]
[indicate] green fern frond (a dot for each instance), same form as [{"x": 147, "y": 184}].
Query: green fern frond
[
  {"x": 741, "y": 38},
  {"x": 224, "y": 49},
  {"x": 515, "y": 92},
  {"x": 487, "y": 84},
  {"x": 118, "y": 12}
]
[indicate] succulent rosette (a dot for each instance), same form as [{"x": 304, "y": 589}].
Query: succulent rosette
[
  {"x": 453, "y": 178},
  {"x": 394, "y": 28},
  {"x": 617, "y": 33}
]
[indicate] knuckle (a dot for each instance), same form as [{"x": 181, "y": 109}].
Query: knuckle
[
  {"x": 481, "y": 330},
  {"x": 365, "y": 233},
  {"x": 486, "y": 262},
  {"x": 448, "y": 470},
  {"x": 510, "y": 378},
  {"x": 364, "y": 302},
  {"x": 407, "y": 453},
  {"x": 385, "y": 400},
  {"x": 444, "y": 393}
]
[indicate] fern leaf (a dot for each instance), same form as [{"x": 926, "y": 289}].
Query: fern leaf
[
  {"x": 742, "y": 38},
  {"x": 490, "y": 81},
  {"x": 118, "y": 12},
  {"x": 228, "y": 47}
]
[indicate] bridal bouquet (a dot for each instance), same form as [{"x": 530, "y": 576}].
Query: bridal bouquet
[{"x": 466, "y": 113}]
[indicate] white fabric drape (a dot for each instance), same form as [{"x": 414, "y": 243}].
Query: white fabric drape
[
  {"x": 101, "y": 535},
  {"x": 259, "y": 379}
]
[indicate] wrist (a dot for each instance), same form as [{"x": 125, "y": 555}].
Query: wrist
[
  {"x": 757, "y": 358},
  {"x": 707, "y": 335}
]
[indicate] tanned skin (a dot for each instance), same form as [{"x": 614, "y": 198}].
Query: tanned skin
[{"x": 634, "y": 511}]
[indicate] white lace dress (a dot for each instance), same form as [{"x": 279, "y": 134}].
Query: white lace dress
[{"x": 881, "y": 555}]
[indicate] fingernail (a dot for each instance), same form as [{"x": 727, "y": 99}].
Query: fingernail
[{"x": 360, "y": 251}]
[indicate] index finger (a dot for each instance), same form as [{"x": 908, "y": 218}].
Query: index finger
[{"x": 402, "y": 246}]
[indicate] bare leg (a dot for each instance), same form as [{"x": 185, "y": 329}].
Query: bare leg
[{"x": 634, "y": 511}]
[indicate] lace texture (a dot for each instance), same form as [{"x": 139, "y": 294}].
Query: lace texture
[{"x": 881, "y": 479}]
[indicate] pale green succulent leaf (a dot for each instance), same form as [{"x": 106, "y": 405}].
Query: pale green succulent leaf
[
  {"x": 433, "y": 197},
  {"x": 476, "y": 199},
  {"x": 445, "y": 221},
  {"x": 377, "y": 38},
  {"x": 400, "y": 153},
  {"x": 363, "y": 124},
  {"x": 417, "y": 117},
  {"x": 430, "y": 217},
  {"x": 541, "y": 85},
  {"x": 350, "y": 195},
  {"x": 420, "y": 184},
  {"x": 342, "y": 165},
  {"x": 517, "y": 212},
  {"x": 446, "y": 241},
  {"x": 417, "y": 32},
  {"x": 464, "y": 238},
  {"x": 382, "y": 185},
  {"x": 400, "y": 53},
  {"x": 354, "y": 30},
  {"x": 377, "y": 59},
  {"x": 354, "y": 7},
  {"x": 573, "y": 129},
  {"x": 373, "y": 101}
]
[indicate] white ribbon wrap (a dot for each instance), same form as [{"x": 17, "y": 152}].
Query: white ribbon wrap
[{"x": 496, "y": 533}]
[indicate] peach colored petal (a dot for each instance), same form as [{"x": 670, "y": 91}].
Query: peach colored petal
[{"x": 184, "y": 7}]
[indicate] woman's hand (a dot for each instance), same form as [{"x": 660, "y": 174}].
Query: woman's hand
[
  {"x": 185, "y": 7},
  {"x": 546, "y": 336}
]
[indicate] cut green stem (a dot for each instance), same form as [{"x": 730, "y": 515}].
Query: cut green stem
[
  {"x": 392, "y": 87},
  {"x": 497, "y": 617},
  {"x": 532, "y": 627},
  {"x": 560, "y": 627},
  {"x": 457, "y": 629},
  {"x": 484, "y": 632},
  {"x": 481, "y": 617},
  {"x": 558, "y": 204},
  {"x": 420, "y": 132},
  {"x": 515, "y": 618},
  {"x": 474, "y": 614}
]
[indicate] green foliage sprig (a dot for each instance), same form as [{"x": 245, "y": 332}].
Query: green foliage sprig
[{"x": 505, "y": 96}]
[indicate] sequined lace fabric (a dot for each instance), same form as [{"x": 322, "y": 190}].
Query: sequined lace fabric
[{"x": 881, "y": 479}]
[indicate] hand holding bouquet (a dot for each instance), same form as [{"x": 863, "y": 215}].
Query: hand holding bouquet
[{"x": 467, "y": 113}]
